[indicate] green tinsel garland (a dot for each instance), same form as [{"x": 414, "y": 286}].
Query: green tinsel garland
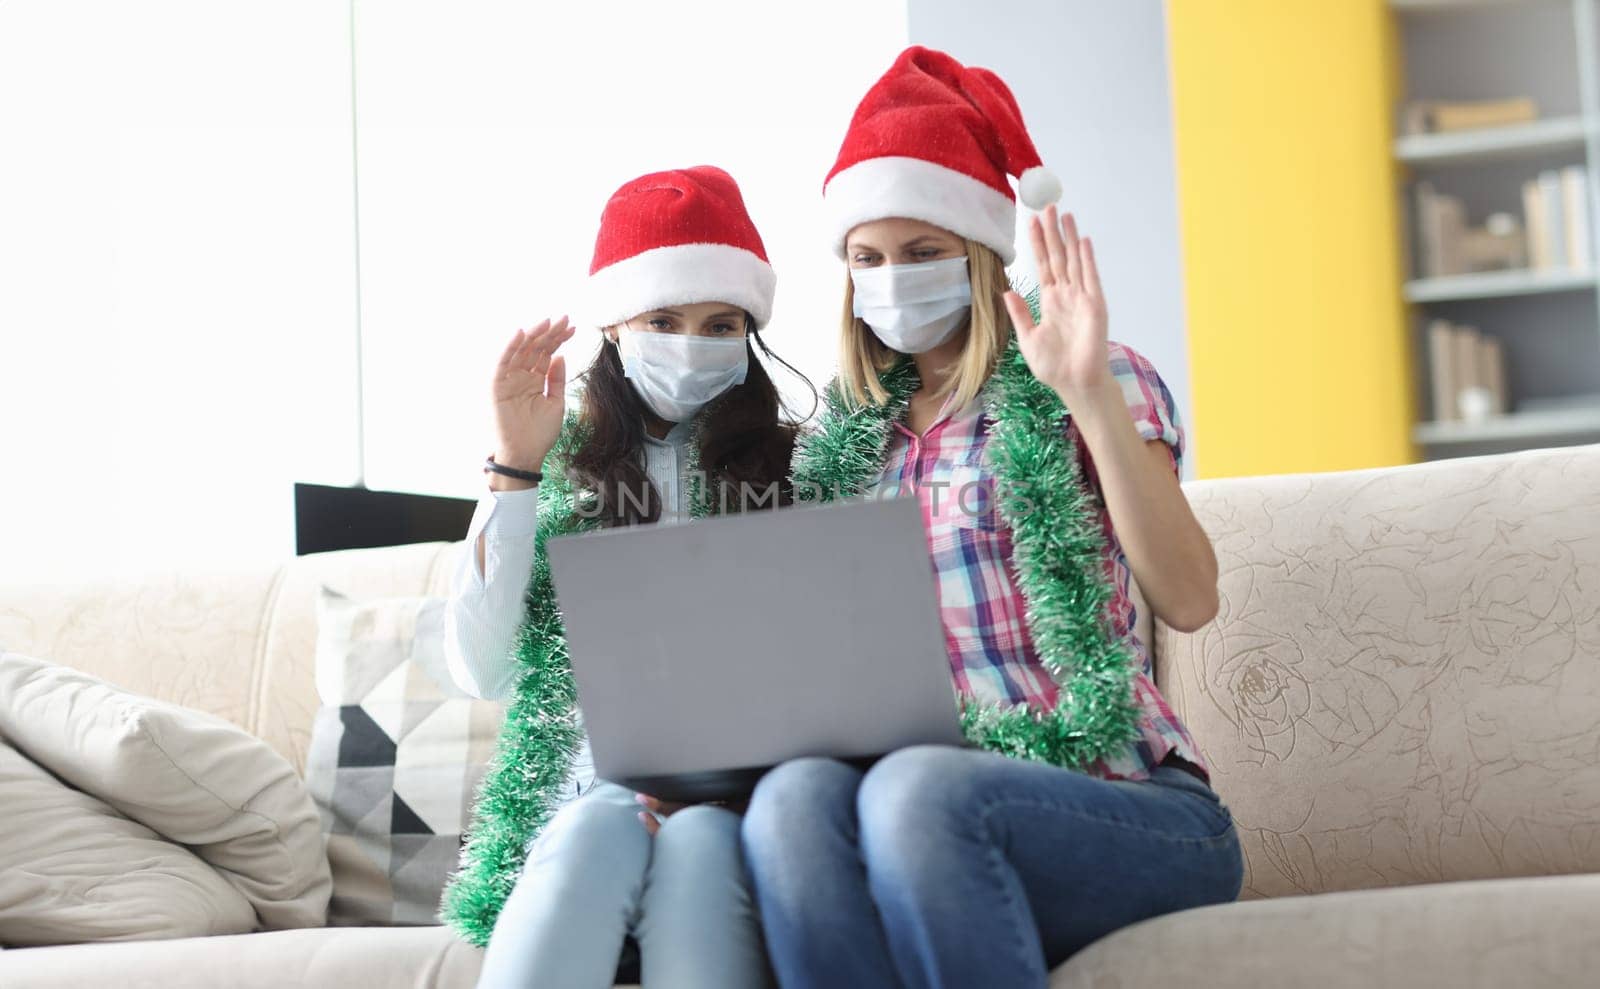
[
  {"x": 541, "y": 734},
  {"x": 1059, "y": 553}
]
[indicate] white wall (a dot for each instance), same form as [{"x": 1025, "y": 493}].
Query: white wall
[
  {"x": 175, "y": 279},
  {"x": 177, "y": 235},
  {"x": 491, "y": 135},
  {"x": 1091, "y": 78}
]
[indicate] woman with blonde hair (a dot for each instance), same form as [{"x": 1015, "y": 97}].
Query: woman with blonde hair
[{"x": 1045, "y": 458}]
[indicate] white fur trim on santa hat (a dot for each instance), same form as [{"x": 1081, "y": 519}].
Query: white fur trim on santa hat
[
  {"x": 880, "y": 188},
  {"x": 680, "y": 276}
]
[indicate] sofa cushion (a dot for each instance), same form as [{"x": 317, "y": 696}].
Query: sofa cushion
[
  {"x": 73, "y": 869},
  {"x": 185, "y": 638},
  {"x": 397, "y": 752},
  {"x": 1403, "y": 685},
  {"x": 189, "y": 776},
  {"x": 1505, "y": 932},
  {"x": 325, "y": 958}
]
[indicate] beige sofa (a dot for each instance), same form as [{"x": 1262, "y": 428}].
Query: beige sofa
[{"x": 1400, "y": 699}]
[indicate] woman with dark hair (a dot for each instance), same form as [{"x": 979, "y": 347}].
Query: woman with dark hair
[{"x": 678, "y": 419}]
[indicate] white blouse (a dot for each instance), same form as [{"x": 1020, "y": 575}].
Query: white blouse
[{"x": 486, "y": 606}]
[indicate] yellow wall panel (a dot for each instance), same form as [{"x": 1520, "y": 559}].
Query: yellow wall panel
[{"x": 1298, "y": 350}]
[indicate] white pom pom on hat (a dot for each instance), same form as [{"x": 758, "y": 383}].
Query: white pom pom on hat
[{"x": 1039, "y": 187}]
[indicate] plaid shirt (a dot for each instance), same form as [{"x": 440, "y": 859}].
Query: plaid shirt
[{"x": 992, "y": 655}]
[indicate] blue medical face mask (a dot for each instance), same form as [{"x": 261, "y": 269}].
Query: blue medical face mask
[
  {"x": 677, "y": 374},
  {"x": 913, "y": 308}
]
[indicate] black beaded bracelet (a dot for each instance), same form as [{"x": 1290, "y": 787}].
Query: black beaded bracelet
[{"x": 531, "y": 476}]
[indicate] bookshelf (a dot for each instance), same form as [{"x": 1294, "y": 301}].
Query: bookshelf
[
  {"x": 1496, "y": 285},
  {"x": 1510, "y": 252},
  {"x": 1548, "y": 427},
  {"x": 1490, "y": 143}
]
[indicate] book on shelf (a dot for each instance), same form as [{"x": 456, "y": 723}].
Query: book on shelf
[
  {"x": 1465, "y": 367},
  {"x": 1441, "y": 369},
  {"x": 1441, "y": 222},
  {"x": 1555, "y": 218},
  {"x": 1467, "y": 373},
  {"x": 1443, "y": 116},
  {"x": 1556, "y": 215},
  {"x": 1575, "y": 216},
  {"x": 1535, "y": 223}
]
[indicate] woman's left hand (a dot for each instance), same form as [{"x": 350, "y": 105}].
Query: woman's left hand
[
  {"x": 1066, "y": 349},
  {"x": 653, "y": 807}
]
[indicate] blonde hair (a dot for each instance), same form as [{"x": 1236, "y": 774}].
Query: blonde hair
[{"x": 862, "y": 356}]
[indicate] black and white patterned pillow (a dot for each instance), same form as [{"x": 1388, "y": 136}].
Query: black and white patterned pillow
[{"x": 397, "y": 752}]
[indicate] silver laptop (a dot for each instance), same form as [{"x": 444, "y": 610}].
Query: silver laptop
[{"x": 708, "y": 652}]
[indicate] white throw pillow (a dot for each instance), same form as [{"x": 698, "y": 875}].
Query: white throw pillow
[
  {"x": 72, "y": 870},
  {"x": 189, "y": 776},
  {"x": 397, "y": 753}
]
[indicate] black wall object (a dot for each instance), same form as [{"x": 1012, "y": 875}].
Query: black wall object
[{"x": 328, "y": 518}]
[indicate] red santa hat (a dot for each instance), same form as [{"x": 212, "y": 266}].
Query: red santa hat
[
  {"x": 675, "y": 238},
  {"x": 934, "y": 140}
]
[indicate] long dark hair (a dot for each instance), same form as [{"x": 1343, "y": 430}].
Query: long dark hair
[{"x": 745, "y": 440}]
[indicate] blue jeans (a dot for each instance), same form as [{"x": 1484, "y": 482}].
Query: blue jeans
[
  {"x": 953, "y": 867},
  {"x": 594, "y": 876}
]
